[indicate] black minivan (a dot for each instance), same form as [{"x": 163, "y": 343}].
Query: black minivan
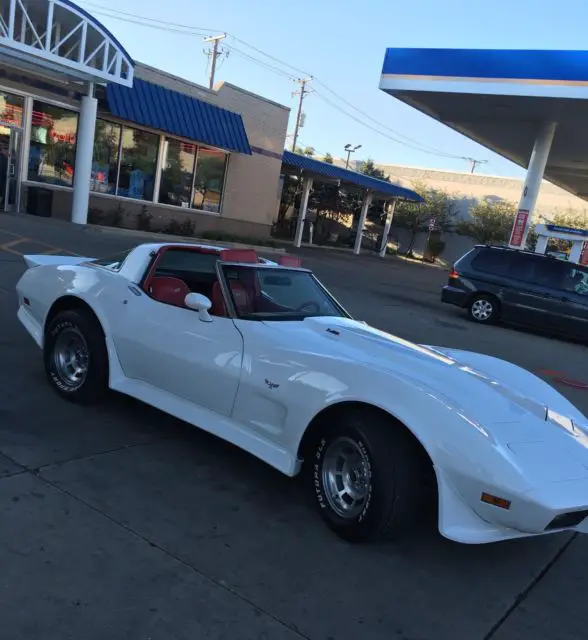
[{"x": 499, "y": 283}]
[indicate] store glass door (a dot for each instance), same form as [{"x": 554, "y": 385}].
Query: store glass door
[{"x": 9, "y": 165}]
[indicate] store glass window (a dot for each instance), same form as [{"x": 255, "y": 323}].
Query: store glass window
[
  {"x": 177, "y": 172},
  {"x": 137, "y": 166},
  {"x": 53, "y": 144},
  {"x": 11, "y": 108},
  {"x": 105, "y": 158},
  {"x": 210, "y": 177}
]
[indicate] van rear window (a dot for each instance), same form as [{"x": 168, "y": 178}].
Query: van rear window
[{"x": 491, "y": 261}]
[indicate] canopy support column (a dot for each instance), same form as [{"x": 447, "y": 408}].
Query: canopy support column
[
  {"x": 537, "y": 163},
  {"x": 389, "y": 216},
  {"x": 576, "y": 251},
  {"x": 367, "y": 201},
  {"x": 541, "y": 246},
  {"x": 84, "y": 153},
  {"x": 306, "y": 188}
]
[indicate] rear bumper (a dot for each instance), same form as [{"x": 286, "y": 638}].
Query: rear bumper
[{"x": 453, "y": 295}]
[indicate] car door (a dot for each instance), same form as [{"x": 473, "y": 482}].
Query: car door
[
  {"x": 171, "y": 348},
  {"x": 574, "y": 291},
  {"x": 531, "y": 296}
]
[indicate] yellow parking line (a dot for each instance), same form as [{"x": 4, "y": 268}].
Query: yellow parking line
[
  {"x": 8, "y": 250},
  {"x": 58, "y": 251},
  {"x": 12, "y": 243},
  {"x": 10, "y": 233}
]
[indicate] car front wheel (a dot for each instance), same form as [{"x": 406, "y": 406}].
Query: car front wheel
[
  {"x": 369, "y": 477},
  {"x": 76, "y": 360}
]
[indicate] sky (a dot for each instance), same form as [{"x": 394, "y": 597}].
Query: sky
[{"x": 341, "y": 43}]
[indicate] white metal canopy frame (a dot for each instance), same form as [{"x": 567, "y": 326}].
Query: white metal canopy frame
[
  {"x": 61, "y": 37},
  {"x": 56, "y": 38}
]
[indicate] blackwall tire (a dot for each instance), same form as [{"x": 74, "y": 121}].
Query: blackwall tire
[{"x": 388, "y": 481}]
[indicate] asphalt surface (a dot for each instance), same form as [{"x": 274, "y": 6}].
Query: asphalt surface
[{"x": 120, "y": 522}]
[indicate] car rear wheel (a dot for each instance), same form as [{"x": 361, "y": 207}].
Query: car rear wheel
[
  {"x": 484, "y": 309},
  {"x": 76, "y": 360},
  {"x": 369, "y": 477}
]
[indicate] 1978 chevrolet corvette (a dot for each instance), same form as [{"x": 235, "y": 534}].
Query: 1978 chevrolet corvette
[{"x": 261, "y": 354}]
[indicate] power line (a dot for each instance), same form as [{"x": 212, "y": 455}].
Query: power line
[
  {"x": 369, "y": 126},
  {"x": 175, "y": 27},
  {"x": 475, "y": 163},
  {"x": 260, "y": 62}
]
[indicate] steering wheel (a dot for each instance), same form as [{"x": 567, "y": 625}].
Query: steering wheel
[{"x": 313, "y": 306}]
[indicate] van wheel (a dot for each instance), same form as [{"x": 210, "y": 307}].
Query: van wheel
[{"x": 484, "y": 309}]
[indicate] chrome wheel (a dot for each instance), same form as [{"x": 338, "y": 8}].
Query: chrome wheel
[
  {"x": 71, "y": 358},
  {"x": 482, "y": 309},
  {"x": 346, "y": 475}
]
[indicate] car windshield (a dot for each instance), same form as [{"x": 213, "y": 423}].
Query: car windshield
[{"x": 267, "y": 293}]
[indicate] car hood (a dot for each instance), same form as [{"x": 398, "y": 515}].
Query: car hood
[{"x": 480, "y": 387}]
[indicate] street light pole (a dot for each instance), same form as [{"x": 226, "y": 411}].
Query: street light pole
[{"x": 350, "y": 149}]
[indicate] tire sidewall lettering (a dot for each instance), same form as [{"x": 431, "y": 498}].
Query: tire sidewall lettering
[
  {"x": 322, "y": 501},
  {"x": 54, "y": 332}
]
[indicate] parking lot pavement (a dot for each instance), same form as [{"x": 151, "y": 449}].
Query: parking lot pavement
[{"x": 122, "y": 522}]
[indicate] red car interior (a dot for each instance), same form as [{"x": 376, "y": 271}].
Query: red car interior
[
  {"x": 218, "y": 307},
  {"x": 169, "y": 290},
  {"x": 245, "y": 291},
  {"x": 289, "y": 261},
  {"x": 239, "y": 255}
]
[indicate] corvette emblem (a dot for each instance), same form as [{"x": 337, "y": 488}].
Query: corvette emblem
[{"x": 271, "y": 385}]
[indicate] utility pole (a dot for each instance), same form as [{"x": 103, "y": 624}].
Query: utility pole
[
  {"x": 302, "y": 93},
  {"x": 214, "y": 54},
  {"x": 475, "y": 163}
]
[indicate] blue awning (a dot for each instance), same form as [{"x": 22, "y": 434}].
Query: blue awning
[
  {"x": 379, "y": 187},
  {"x": 155, "y": 106}
]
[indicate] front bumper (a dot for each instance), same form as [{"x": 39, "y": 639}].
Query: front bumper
[{"x": 552, "y": 508}]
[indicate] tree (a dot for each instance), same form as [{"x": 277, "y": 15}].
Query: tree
[
  {"x": 491, "y": 221},
  {"x": 571, "y": 218},
  {"x": 416, "y": 216},
  {"x": 332, "y": 205},
  {"x": 368, "y": 168},
  {"x": 328, "y": 158}
]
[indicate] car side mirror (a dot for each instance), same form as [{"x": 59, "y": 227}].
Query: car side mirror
[{"x": 200, "y": 303}]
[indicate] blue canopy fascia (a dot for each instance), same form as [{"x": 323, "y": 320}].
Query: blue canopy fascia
[
  {"x": 173, "y": 112},
  {"x": 319, "y": 168}
]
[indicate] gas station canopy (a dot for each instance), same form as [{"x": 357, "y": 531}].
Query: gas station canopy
[{"x": 502, "y": 99}]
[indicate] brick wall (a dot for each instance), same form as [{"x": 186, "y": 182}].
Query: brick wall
[{"x": 161, "y": 216}]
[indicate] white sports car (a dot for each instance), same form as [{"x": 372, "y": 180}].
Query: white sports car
[{"x": 263, "y": 356}]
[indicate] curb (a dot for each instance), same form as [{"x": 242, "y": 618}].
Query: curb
[
  {"x": 164, "y": 237},
  {"x": 375, "y": 254}
]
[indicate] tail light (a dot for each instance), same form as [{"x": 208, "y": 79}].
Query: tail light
[{"x": 453, "y": 274}]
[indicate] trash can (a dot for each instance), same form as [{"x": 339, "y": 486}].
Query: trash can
[{"x": 39, "y": 201}]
